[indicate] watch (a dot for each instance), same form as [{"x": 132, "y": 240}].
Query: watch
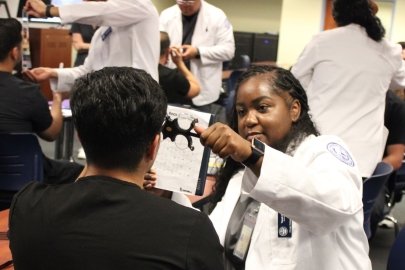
[
  {"x": 198, "y": 55},
  {"x": 48, "y": 11},
  {"x": 258, "y": 149}
]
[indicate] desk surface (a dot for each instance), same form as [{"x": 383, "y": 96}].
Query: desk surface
[{"x": 5, "y": 253}]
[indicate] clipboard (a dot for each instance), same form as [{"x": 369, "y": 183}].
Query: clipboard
[{"x": 178, "y": 168}]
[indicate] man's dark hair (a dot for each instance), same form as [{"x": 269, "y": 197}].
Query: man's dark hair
[
  {"x": 359, "y": 12},
  {"x": 402, "y": 43},
  {"x": 280, "y": 81},
  {"x": 10, "y": 36},
  {"x": 117, "y": 112},
  {"x": 164, "y": 42}
]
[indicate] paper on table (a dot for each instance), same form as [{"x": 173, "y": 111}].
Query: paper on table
[{"x": 178, "y": 168}]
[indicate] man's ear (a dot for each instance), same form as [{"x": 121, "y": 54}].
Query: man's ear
[
  {"x": 153, "y": 148},
  {"x": 15, "y": 54},
  {"x": 295, "y": 110}
]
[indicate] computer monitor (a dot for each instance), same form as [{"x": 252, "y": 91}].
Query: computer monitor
[
  {"x": 243, "y": 46},
  {"x": 265, "y": 47},
  {"x": 47, "y": 2}
]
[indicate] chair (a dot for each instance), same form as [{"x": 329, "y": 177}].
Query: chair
[
  {"x": 20, "y": 162},
  {"x": 372, "y": 187},
  {"x": 396, "y": 258}
]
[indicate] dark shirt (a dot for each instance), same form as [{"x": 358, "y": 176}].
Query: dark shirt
[
  {"x": 394, "y": 119},
  {"x": 23, "y": 108},
  {"x": 101, "y": 223},
  {"x": 175, "y": 85},
  {"x": 188, "y": 31}
]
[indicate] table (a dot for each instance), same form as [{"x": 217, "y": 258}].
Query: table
[{"x": 5, "y": 253}]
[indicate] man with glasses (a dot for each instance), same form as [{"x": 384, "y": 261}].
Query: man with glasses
[{"x": 206, "y": 38}]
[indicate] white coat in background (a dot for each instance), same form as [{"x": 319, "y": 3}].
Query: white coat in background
[
  {"x": 346, "y": 75},
  {"x": 133, "y": 42},
  {"x": 213, "y": 36},
  {"x": 320, "y": 190}
]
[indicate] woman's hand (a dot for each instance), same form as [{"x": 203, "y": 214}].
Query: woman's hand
[{"x": 224, "y": 141}]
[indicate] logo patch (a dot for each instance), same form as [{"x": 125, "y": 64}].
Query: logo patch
[{"x": 340, "y": 153}]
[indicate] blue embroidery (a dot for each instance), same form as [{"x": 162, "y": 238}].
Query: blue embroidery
[
  {"x": 340, "y": 153},
  {"x": 106, "y": 33}
]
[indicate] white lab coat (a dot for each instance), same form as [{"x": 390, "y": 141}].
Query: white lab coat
[
  {"x": 213, "y": 36},
  {"x": 320, "y": 192},
  {"x": 133, "y": 42},
  {"x": 346, "y": 75}
]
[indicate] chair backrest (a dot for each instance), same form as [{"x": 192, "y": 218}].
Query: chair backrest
[
  {"x": 20, "y": 160},
  {"x": 371, "y": 189},
  {"x": 396, "y": 258}
]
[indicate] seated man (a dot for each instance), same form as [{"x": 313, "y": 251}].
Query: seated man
[
  {"x": 394, "y": 121},
  {"x": 24, "y": 109},
  {"x": 179, "y": 84},
  {"x": 105, "y": 220}
]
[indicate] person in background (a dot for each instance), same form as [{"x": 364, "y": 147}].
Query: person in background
[
  {"x": 394, "y": 121},
  {"x": 179, "y": 84},
  {"x": 205, "y": 37},
  {"x": 297, "y": 201},
  {"x": 24, "y": 109},
  {"x": 346, "y": 72},
  {"x": 128, "y": 35},
  {"x": 105, "y": 220}
]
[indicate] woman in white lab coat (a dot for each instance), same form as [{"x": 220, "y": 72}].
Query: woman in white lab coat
[
  {"x": 298, "y": 202},
  {"x": 346, "y": 72}
]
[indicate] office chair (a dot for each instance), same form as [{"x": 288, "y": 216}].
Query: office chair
[
  {"x": 372, "y": 187},
  {"x": 20, "y": 163},
  {"x": 396, "y": 258}
]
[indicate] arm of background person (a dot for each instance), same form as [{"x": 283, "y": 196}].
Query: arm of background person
[
  {"x": 177, "y": 59},
  {"x": 398, "y": 80},
  {"x": 52, "y": 132},
  {"x": 78, "y": 43},
  {"x": 109, "y": 13},
  {"x": 395, "y": 155}
]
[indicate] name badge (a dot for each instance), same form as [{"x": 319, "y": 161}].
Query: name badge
[
  {"x": 106, "y": 33},
  {"x": 242, "y": 245},
  {"x": 284, "y": 226}
]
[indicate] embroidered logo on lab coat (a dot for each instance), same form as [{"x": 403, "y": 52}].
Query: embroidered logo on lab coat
[{"x": 340, "y": 153}]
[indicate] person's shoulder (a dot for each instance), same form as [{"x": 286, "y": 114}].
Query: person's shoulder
[
  {"x": 332, "y": 145},
  {"x": 29, "y": 194}
]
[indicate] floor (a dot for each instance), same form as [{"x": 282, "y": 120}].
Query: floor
[{"x": 379, "y": 247}]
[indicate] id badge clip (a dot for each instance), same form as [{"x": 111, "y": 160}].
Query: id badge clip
[{"x": 284, "y": 226}]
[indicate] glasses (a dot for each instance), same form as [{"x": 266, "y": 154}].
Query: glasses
[
  {"x": 185, "y": 2},
  {"x": 182, "y": 125}
]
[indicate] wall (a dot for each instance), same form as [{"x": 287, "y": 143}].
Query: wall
[
  {"x": 260, "y": 16},
  {"x": 300, "y": 20},
  {"x": 398, "y": 28}
]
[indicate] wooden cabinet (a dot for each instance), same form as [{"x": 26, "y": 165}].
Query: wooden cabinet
[{"x": 49, "y": 48}]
